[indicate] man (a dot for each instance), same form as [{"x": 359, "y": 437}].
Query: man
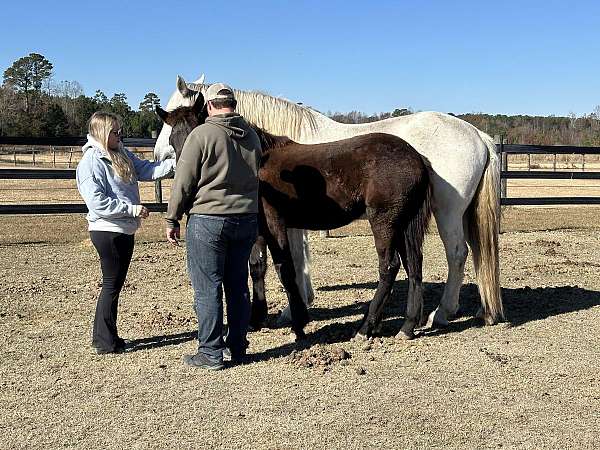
[{"x": 216, "y": 183}]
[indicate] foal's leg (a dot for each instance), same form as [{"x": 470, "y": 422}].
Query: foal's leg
[
  {"x": 258, "y": 270},
  {"x": 389, "y": 264},
  {"x": 450, "y": 226}
]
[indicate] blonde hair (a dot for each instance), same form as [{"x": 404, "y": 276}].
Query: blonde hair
[{"x": 99, "y": 127}]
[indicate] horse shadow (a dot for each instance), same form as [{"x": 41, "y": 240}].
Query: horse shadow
[{"x": 521, "y": 305}]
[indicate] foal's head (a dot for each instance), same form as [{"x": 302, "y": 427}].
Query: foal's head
[{"x": 183, "y": 120}]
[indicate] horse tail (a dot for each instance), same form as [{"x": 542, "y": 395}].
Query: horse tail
[{"x": 483, "y": 223}]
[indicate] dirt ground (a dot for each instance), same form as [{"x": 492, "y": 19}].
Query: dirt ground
[{"x": 530, "y": 382}]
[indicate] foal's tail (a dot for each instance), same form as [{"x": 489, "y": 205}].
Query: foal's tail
[
  {"x": 483, "y": 222},
  {"x": 417, "y": 227}
]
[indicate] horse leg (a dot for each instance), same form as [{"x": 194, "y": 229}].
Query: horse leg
[
  {"x": 258, "y": 270},
  {"x": 389, "y": 264},
  {"x": 451, "y": 231},
  {"x": 412, "y": 257},
  {"x": 298, "y": 240}
]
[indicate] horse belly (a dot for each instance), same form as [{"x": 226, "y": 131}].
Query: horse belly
[{"x": 308, "y": 204}]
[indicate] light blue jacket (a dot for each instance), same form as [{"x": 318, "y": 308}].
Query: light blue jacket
[{"x": 109, "y": 199}]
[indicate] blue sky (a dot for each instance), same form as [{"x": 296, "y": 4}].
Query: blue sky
[{"x": 509, "y": 57}]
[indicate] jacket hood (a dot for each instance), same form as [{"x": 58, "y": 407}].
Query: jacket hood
[
  {"x": 233, "y": 124},
  {"x": 93, "y": 143}
]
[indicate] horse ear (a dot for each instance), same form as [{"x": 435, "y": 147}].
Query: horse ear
[
  {"x": 200, "y": 80},
  {"x": 198, "y": 104},
  {"x": 161, "y": 113},
  {"x": 182, "y": 86}
]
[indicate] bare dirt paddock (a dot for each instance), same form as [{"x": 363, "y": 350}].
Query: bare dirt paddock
[{"x": 531, "y": 382}]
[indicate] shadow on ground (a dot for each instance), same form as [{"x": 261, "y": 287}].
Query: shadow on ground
[{"x": 521, "y": 305}]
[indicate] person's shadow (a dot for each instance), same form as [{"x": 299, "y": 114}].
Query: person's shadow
[
  {"x": 161, "y": 341},
  {"x": 521, "y": 305}
]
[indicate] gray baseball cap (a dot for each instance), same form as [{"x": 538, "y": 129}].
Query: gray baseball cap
[{"x": 212, "y": 93}]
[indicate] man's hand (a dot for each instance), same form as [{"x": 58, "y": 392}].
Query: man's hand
[{"x": 173, "y": 235}]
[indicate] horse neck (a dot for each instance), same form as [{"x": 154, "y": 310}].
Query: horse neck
[
  {"x": 275, "y": 115},
  {"x": 301, "y": 124}
]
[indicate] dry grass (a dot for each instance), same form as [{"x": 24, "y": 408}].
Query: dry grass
[{"x": 531, "y": 382}]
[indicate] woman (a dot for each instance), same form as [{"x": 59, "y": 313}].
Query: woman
[{"x": 107, "y": 179}]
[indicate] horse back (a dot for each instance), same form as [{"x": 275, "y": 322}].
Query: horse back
[{"x": 340, "y": 179}]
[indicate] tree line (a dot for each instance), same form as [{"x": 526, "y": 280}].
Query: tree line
[
  {"x": 33, "y": 104},
  {"x": 520, "y": 129}
]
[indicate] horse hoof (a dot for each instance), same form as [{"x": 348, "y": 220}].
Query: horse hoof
[
  {"x": 485, "y": 318},
  {"x": 359, "y": 337},
  {"x": 256, "y": 326},
  {"x": 436, "y": 320},
  {"x": 405, "y": 335},
  {"x": 284, "y": 320},
  {"x": 299, "y": 336}
]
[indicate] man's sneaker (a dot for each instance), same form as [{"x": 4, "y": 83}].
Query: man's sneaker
[
  {"x": 203, "y": 362},
  {"x": 226, "y": 354}
]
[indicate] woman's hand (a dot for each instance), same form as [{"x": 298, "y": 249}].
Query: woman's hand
[{"x": 141, "y": 211}]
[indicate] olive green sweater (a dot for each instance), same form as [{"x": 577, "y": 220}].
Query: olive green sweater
[{"x": 217, "y": 170}]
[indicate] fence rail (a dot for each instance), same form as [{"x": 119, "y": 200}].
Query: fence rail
[
  {"x": 69, "y": 141},
  {"x": 548, "y": 149},
  {"x": 514, "y": 149},
  {"x": 159, "y": 206}
]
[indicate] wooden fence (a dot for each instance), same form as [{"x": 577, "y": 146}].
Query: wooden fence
[
  {"x": 158, "y": 206},
  {"x": 506, "y": 150}
]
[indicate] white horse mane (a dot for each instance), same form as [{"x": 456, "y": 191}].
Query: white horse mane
[{"x": 275, "y": 115}]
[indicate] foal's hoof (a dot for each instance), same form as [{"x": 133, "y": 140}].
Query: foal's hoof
[
  {"x": 298, "y": 336},
  {"x": 405, "y": 335},
  {"x": 256, "y": 325},
  {"x": 284, "y": 319}
]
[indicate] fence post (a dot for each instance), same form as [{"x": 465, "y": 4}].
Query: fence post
[
  {"x": 54, "y": 157},
  {"x": 503, "y": 165},
  {"x": 33, "y": 153},
  {"x": 554, "y": 164},
  {"x": 15, "y": 157},
  {"x": 528, "y": 162},
  {"x": 70, "y": 156},
  {"x": 583, "y": 162}
]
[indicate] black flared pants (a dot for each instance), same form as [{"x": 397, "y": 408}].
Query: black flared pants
[{"x": 115, "y": 250}]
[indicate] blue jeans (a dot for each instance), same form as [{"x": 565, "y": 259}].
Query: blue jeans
[{"x": 218, "y": 249}]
